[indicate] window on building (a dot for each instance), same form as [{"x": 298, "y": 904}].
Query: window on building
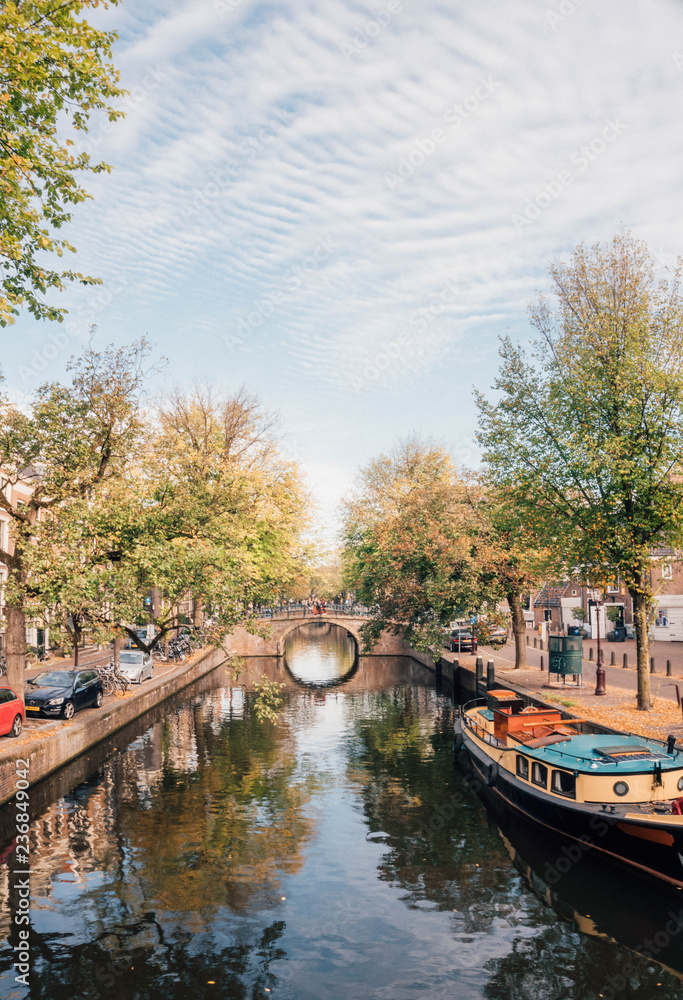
[
  {"x": 667, "y": 571},
  {"x": 523, "y": 767},
  {"x": 564, "y": 783},
  {"x": 539, "y": 774}
]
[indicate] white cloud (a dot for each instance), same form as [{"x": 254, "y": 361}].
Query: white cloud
[{"x": 252, "y": 134}]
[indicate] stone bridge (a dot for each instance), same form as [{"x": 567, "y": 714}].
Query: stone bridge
[{"x": 241, "y": 643}]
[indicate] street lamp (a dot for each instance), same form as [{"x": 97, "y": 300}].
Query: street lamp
[{"x": 596, "y": 601}]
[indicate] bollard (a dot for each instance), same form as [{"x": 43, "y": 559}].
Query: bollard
[
  {"x": 527, "y": 640},
  {"x": 490, "y": 675},
  {"x": 668, "y": 668},
  {"x": 478, "y": 674},
  {"x": 541, "y": 663},
  {"x": 590, "y": 653},
  {"x": 534, "y": 642},
  {"x": 625, "y": 663},
  {"x": 652, "y": 664},
  {"x": 611, "y": 662}
]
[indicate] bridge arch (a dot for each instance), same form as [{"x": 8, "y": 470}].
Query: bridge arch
[{"x": 349, "y": 626}]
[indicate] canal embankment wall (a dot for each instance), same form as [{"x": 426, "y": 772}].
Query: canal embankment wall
[{"x": 45, "y": 753}]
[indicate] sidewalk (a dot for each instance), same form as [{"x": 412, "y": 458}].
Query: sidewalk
[
  {"x": 616, "y": 709},
  {"x": 37, "y": 727}
]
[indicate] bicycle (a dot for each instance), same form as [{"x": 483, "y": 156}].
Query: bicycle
[{"x": 112, "y": 679}]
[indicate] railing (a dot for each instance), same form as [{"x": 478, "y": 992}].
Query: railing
[{"x": 300, "y": 610}]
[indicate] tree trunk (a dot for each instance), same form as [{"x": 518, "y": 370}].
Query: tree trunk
[
  {"x": 15, "y": 645},
  {"x": 197, "y": 612},
  {"x": 643, "y": 647},
  {"x": 119, "y": 643},
  {"x": 518, "y": 629}
]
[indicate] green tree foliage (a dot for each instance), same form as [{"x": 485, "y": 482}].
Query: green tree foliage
[
  {"x": 586, "y": 438},
  {"x": 54, "y": 463},
  {"x": 411, "y": 548},
  {"x": 190, "y": 499},
  {"x": 54, "y": 74},
  {"x": 513, "y": 558}
]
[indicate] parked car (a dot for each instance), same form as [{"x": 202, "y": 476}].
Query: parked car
[
  {"x": 63, "y": 692},
  {"x": 463, "y": 641},
  {"x": 136, "y": 665},
  {"x": 12, "y": 714},
  {"x": 498, "y": 637}
]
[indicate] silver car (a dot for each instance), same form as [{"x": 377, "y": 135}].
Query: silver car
[{"x": 136, "y": 665}]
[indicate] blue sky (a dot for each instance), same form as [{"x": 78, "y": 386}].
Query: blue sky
[{"x": 343, "y": 206}]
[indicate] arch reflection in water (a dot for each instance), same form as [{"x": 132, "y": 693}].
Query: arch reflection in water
[{"x": 320, "y": 654}]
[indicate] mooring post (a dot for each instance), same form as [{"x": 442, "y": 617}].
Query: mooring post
[
  {"x": 490, "y": 675},
  {"x": 479, "y": 674}
]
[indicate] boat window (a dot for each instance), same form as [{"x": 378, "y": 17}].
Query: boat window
[
  {"x": 539, "y": 774},
  {"x": 564, "y": 783},
  {"x": 523, "y": 767}
]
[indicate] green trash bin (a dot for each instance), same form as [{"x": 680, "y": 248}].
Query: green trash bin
[{"x": 565, "y": 656}]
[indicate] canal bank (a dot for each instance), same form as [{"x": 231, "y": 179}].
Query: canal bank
[
  {"x": 615, "y": 710},
  {"x": 61, "y": 742}
]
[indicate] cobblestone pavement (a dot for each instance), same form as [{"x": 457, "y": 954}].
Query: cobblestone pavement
[{"x": 619, "y": 682}]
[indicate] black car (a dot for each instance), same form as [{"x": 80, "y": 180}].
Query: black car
[
  {"x": 462, "y": 641},
  {"x": 63, "y": 692}
]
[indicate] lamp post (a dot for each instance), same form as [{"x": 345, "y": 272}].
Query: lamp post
[{"x": 596, "y": 598}]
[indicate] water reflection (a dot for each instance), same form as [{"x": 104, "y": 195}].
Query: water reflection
[
  {"x": 320, "y": 654},
  {"x": 337, "y": 854}
]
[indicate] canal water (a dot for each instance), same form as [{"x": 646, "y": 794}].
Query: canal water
[{"x": 339, "y": 854}]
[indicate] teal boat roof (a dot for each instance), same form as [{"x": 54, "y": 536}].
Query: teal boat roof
[{"x": 590, "y": 753}]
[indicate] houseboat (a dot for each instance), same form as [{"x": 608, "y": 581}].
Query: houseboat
[{"x": 614, "y": 793}]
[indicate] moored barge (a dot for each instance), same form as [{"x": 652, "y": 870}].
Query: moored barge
[{"x": 615, "y": 793}]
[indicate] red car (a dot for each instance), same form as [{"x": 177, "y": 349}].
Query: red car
[{"x": 12, "y": 712}]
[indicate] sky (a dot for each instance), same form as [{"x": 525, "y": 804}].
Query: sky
[{"x": 344, "y": 206}]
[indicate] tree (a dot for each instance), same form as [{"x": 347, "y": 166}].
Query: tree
[
  {"x": 587, "y": 438},
  {"x": 516, "y": 559},
  {"x": 207, "y": 512},
  {"x": 53, "y": 72},
  {"x": 54, "y": 461},
  {"x": 411, "y": 550}
]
